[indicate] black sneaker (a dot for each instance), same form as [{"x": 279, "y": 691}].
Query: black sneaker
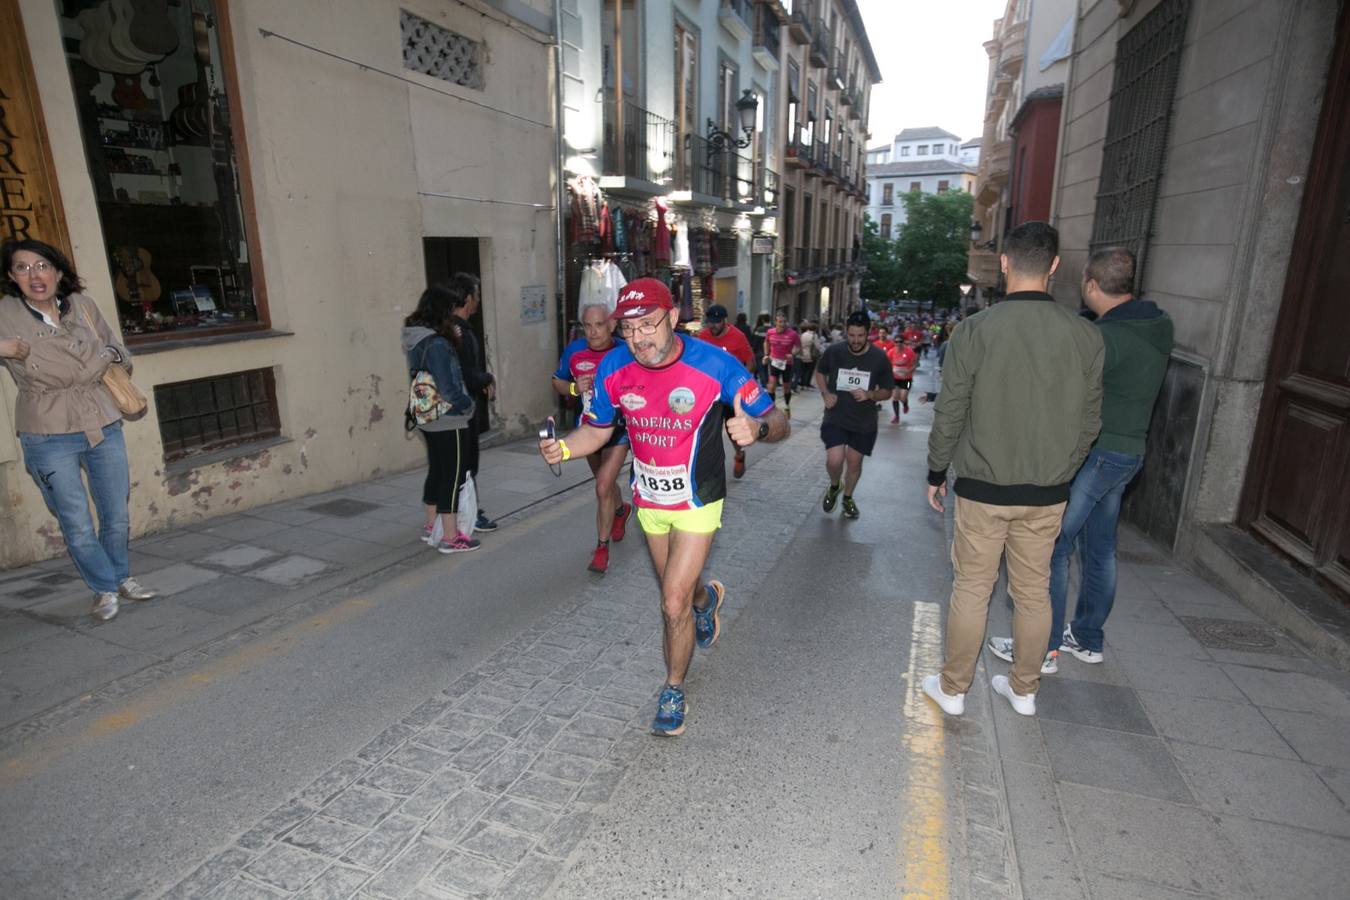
[
  {"x": 484, "y": 523},
  {"x": 831, "y": 496},
  {"x": 850, "y": 508}
]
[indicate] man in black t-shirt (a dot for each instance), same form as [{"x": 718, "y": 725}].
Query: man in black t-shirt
[{"x": 852, "y": 376}]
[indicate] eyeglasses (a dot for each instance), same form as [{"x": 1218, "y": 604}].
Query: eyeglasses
[
  {"x": 41, "y": 267},
  {"x": 628, "y": 329}
]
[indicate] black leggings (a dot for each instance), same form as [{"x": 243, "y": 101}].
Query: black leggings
[{"x": 447, "y": 465}]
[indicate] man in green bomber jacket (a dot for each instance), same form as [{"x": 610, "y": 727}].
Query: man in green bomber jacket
[
  {"x": 1138, "y": 338},
  {"x": 1019, "y": 408}
]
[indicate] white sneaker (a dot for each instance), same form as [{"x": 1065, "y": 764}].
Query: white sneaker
[
  {"x": 105, "y": 607},
  {"x": 952, "y": 704},
  {"x": 130, "y": 589},
  {"x": 1024, "y": 705}
]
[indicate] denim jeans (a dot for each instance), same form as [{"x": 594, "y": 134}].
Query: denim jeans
[
  {"x": 1090, "y": 523},
  {"x": 55, "y": 461}
]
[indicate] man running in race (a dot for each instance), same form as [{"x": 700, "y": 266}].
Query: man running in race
[
  {"x": 716, "y": 331},
  {"x": 903, "y": 360},
  {"x": 853, "y": 377},
  {"x": 781, "y": 344},
  {"x": 671, "y": 390},
  {"x": 576, "y": 378}
]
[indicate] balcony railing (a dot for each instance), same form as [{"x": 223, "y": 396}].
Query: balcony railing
[
  {"x": 718, "y": 172},
  {"x": 820, "y": 44},
  {"x": 799, "y": 146},
  {"x": 799, "y": 22},
  {"x": 767, "y": 39},
  {"x": 736, "y": 17},
  {"x": 837, "y": 163},
  {"x": 768, "y": 188},
  {"x": 647, "y": 147},
  {"x": 823, "y": 156},
  {"x": 815, "y": 259}
]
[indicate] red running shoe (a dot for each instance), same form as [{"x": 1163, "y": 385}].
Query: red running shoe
[
  {"x": 620, "y": 523},
  {"x": 600, "y": 561},
  {"x": 738, "y": 467}
]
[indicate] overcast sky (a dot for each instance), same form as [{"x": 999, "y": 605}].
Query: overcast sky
[{"x": 933, "y": 64}]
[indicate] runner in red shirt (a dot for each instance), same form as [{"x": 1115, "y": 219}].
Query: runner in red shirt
[
  {"x": 716, "y": 331},
  {"x": 575, "y": 377},
  {"x": 671, "y": 389},
  {"x": 781, "y": 345},
  {"x": 903, "y": 360},
  {"x": 881, "y": 340}
]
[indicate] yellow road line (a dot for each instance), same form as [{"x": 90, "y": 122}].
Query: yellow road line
[
  {"x": 162, "y": 697},
  {"x": 923, "y": 807}
]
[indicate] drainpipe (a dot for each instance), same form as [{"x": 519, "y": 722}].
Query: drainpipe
[{"x": 560, "y": 200}]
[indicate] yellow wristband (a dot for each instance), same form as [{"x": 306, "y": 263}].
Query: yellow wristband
[
  {"x": 562, "y": 445},
  {"x": 572, "y": 388}
]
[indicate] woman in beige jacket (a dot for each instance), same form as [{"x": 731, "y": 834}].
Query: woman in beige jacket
[{"x": 57, "y": 346}]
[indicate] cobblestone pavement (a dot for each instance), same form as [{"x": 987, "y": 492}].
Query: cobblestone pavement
[{"x": 486, "y": 788}]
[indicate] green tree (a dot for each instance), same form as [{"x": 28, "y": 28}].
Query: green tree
[
  {"x": 932, "y": 247},
  {"x": 881, "y": 282}
]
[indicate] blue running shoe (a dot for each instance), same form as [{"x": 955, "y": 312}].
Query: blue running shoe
[
  {"x": 670, "y": 712},
  {"x": 707, "y": 623}
]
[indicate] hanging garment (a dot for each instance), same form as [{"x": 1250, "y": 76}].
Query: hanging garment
[
  {"x": 585, "y": 211},
  {"x": 701, "y": 245},
  {"x": 661, "y": 243},
  {"x": 604, "y": 229},
  {"x": 679, "y": 257},
  {"x": 620, "y": 231}
]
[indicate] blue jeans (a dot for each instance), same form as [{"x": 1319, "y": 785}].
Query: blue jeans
[
  {"x": 54, "y": 461},
  {"x": 1090, "y": 522}
]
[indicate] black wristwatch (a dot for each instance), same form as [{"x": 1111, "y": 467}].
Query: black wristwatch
[{"x": 763, "y": 431}]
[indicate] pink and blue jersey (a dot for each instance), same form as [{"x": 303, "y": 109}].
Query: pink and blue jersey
[
  {"x": 579, "y": 359},
  {"x": 674, "y": 420}
]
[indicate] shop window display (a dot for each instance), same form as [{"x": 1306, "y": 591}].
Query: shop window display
[{"x": 150, "y": 91}]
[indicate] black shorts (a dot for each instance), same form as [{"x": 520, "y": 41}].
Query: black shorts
[
  {"x": 861, "y": 441},
  {"x": 903, "y": 384}
]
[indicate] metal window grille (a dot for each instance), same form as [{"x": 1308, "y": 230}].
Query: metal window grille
[
  {"x": 728, "y": 249},
  {"x": 1148, "y": 59},
  {"x": 440, "y": 53},
  {"x": 211, "y": 413}
]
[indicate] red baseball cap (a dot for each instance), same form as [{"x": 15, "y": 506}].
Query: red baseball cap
[{"x": 642, "y": 296}]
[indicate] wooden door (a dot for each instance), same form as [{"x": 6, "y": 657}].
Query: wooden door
[{"x": 1298, "y": 487}]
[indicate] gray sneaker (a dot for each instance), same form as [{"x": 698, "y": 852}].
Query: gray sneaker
[
  {"x": 105, "y": 607},
  {"x": 1081, "y": 653},
  {"x": 1002, "y": 647},
  {"x": 130, "y": 589}
]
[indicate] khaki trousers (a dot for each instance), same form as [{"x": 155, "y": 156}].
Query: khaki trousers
[{"x": 983, "y": 533}]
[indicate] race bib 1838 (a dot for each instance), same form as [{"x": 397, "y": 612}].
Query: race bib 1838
[
  {"x": 848, "y": 380},
  {"x": 663, "y": 485}
]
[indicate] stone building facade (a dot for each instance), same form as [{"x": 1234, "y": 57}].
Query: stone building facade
[{"x": 292, "y": 175}]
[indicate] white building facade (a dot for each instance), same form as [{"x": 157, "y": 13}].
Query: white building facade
[{"x": 928, "y": 160}]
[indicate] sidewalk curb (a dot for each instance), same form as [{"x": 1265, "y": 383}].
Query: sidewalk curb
[{"x": 313, "y": 597}]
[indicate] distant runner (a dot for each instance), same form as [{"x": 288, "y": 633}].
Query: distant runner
[
  {"x": 852, "y": 378},
  {"x": 671, "y": 390},
  {"x": 781, "y": 344},
  {"x": 575, "y": 377},
  {"x": 903, "y": 360},
  {"x": 716, "y": 331}
]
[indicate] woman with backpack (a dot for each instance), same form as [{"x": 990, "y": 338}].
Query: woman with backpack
[{"x": 440, "y": 407}]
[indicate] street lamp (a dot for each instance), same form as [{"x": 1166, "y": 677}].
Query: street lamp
[
  {"x": 747, "y": 109},
  {"x": 975, "y": 229}
]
